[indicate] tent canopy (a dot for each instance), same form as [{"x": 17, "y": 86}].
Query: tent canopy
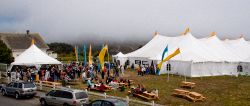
[
  {"x": 33, "y": 56},
  {"x": 120, "y": 54}
]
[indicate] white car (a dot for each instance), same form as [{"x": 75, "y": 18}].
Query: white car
[{"x": 65, "y": 97}]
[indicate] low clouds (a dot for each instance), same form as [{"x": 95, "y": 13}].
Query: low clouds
[{"x": 90, "y": 20}]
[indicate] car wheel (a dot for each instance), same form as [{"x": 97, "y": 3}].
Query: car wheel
[
  {"x": 43, "y": 102},
  {"x": 3, "y": 92},
  {"x": 17, "y": 96}
]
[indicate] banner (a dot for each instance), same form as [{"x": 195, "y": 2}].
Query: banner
[
  {"x": 90, "y": 55},
  {"x": 164, "y": 52},
  {"x": 102, "y": 55},
  {"x": 84, "y": 55},
  {"x": 76, "y": 50},
  {"x": 169, "y": 57}
]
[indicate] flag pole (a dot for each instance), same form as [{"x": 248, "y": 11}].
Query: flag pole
[
  {"x": 184, "y": 71},
  {"x": 108, "y": 55},
  {"x": 168, "y": 70}
]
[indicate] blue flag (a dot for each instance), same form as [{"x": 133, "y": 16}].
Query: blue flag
[
  {"x": 78, "y": 51},
  {"x": 85, "y": 55},
  {"x": 164, "y": 52}
]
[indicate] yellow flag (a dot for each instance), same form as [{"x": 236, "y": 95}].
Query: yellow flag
[
  {"x": 76, "y": 53},
  {"x": 33, "y": 41},
  {"x": 102, "y": 55},
  {"x": 90, "y": 55},
  {"x": 169, "y": 57}
]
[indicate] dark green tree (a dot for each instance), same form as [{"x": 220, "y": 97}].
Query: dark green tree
[
  {"x": 61, "y": 48},
  {"x": 5, "y": 54}
]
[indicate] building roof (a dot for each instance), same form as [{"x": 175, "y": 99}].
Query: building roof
[{"x": 22, "y": 40}]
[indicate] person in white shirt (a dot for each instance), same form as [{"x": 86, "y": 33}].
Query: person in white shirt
[
  {"x": 84, "y": 77},
  {"x": 143, "y": 70},
  {"x": 122, "y": 70}
]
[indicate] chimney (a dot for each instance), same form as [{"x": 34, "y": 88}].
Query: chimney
[{"x": 27, "y": 32}]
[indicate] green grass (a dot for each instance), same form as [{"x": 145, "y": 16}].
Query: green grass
[{"x": 219, "y": 90}]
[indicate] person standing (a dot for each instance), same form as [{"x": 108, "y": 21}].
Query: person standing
[
  {"x": 122, "y": 70},
  {"x": 143, "y": 70},
  {"x": 103, "y": 73}
]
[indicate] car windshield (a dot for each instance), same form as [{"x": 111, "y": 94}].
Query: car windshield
[
  {"x": 81, "y": 95},
  {"x": 120, "y": 103},
  {"x": 29, "y": 85}
]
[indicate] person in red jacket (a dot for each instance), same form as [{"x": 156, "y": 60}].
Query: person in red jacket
[{"x": 102, "y": 87}]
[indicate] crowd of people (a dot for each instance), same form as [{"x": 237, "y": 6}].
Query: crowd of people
[
  {"x": 95, "y": 76},
  {"x": 67, "y": 72},
  {"x": 145, "y": 70}
]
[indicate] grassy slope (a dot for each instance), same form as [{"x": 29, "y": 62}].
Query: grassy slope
[{"x": 221, "y": 90}]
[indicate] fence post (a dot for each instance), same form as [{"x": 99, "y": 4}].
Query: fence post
[
  {"x": 54, "y": 86},
  {"x": 41, "y": 85},
  {"x": 105, "y": 95},
  {"x": 153, "y": 103},
  {"x": 127, "y": 99}
]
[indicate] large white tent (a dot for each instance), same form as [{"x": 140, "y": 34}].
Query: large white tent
[
  {"x": 198, "y": 57},
  {"x": 34, "y": 56},
  {"x": 239, "y": 46}
]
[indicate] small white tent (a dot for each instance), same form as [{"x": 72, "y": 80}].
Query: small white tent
[
  {"x": 33, "y": 56},
  {"x": 121, "y": 58}
]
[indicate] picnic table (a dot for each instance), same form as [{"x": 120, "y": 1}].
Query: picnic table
[
  {"x": 185, "y": 84},
  {"x": 196, "y": 96},
  {"x": 145, "y": 95},
  {"x": 151, "y": 95},
  {"x": 193, "y": 96}
]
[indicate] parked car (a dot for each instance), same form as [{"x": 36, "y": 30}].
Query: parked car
[
  {"x": 65, "y": 97},
  {"x": 19, "y": 89},
  {"x": 107, "y": 102}
]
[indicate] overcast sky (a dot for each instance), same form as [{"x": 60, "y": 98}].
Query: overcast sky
[{"x": 81, "y": 20}]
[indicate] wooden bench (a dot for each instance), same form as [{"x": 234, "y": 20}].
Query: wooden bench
[
  {"x": 187, "y": 84},
  {"x": 151, "y": 95},
  {"x": 194, "y": 96},
  {"x": 145, "y": 96},
  {"x": 180, "y": 92}
]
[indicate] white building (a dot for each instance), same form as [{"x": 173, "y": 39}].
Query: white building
[{"x": 19, "y": 42}]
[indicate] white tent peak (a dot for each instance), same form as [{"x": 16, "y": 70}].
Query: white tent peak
[
  {"x": 32, "y": 56},
  {"x": 120, "y": 54},
  {"x": 241, "y": 36},
  {"x": 187, "y": 30},
  {"x": 156, "y": 33},
  {"x": 213, "y": 34}
]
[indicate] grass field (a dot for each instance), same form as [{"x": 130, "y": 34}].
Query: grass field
[{"x": 219, "y": 90}]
